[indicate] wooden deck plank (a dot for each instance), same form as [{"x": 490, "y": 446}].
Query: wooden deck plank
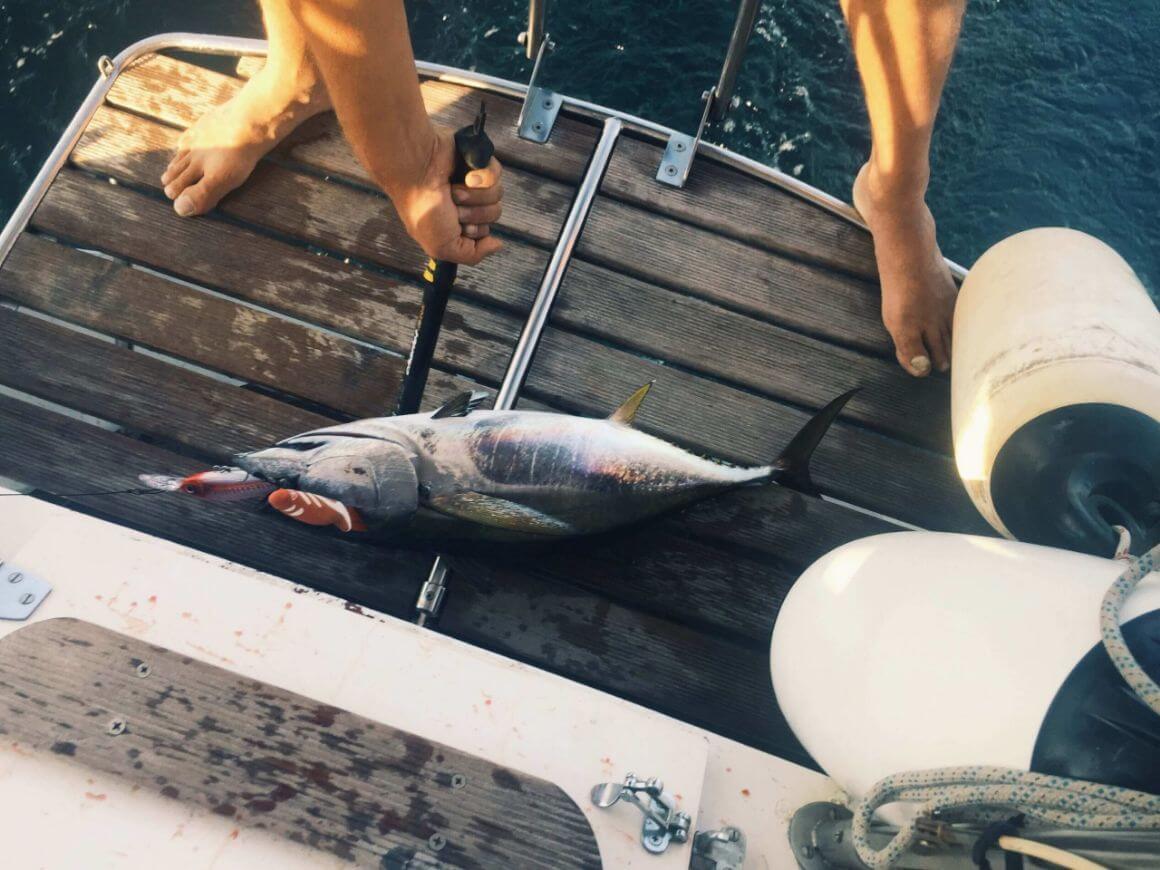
[
  {"x": 795, "y": 295},
  {"x": 733, "y": 204},
  {"x": 534, "y": 206},
  {"x": 214, "y": 332},
  {"x": 145, "y": 394},
  {"x": 347, "y": 221},
  {"x": 562, "y": 157},
  {"x": 679, "y": 671},
  {"x": 55, "y": 453},
  {"x": 263, "y": 757},
  {"x": 781, "y": 363},
  {"x": 363, "y": 304}
]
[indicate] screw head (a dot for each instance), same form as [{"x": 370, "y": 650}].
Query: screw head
[
  {"x": 548, "y": 103},
  {"x": 458, "y": 780},
  {"x": 27, "y": 598},
  {"x": 678, "y": 146},
  {"x": 143, "y": 670},
  {"x": 116, "y": 727},
  {"x": 15, "y": 577},
  {"x": 537, "y": 126},
  {"x": 436, "y": 842},
  {"x": 670, "y": 170}
]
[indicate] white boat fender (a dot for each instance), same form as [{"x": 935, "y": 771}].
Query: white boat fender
[
  {"x": 1055, "y": 392},
  {"x": 972, "y": 661}
]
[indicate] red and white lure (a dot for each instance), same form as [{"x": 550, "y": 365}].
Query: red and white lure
[
  {"x": 220, "y": 484},
  {"x": 234, "y": 484}
]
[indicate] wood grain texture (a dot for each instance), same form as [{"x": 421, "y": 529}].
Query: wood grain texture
[
  {"x": 214, "y": 420},
  {"x": 209, "y": 330},
  {"x": 534, "y": 206},
  {"x": 362, "y": 303},
  {"x": 684, "y": 672},
  {"x": 347, "y": 222},
  {"x": 732, "y": 204},
  {"x": 794, "y": 295},
  {"x": 262, "y": 756},
  {"x": 563, "y": 156}
]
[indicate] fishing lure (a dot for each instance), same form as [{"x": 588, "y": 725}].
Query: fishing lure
[{"x": 219, "y": 484}]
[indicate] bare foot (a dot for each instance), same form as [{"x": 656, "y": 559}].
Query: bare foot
[
  {"x": 220, "y": 151},
  {"x": 918, "y": 292}
]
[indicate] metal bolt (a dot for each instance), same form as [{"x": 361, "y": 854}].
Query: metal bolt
[
  {"x": 458, "y": 780},
  {"x": 678, "y": 146},
  {"x": 548, "y": 103},
  {"x": 522, "y": 39},
  {"x": 27, "y": 598},
  {"x": 436, "y": 842},
  {"x": 670, "y": 170},
  {"x": 143, "y": 670},
  {"x": 15, "y": 577},
  {"x": 537, "y": 126},
  {"x": 116, "y": 727}
]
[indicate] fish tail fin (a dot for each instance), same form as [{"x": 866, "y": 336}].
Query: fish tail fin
[{"x": 792, "y": 468}]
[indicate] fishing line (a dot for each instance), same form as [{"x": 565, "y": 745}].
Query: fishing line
[{"x": 138, "y": 491}]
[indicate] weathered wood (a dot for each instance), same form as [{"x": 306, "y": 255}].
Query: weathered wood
[
  {"x": 534, "y": 206},
  {"x": 346, "y": 221},
  {"x": 58, "y": 454},
  {"x": 214, "y": 332},
  {"x": 264, "y": 757},
  {"x": 786, "y": 365},
  {"x": 144, "y": 394},
  {"x": 563, "y": 156},
  {"x": 794, "y": 295},
  {"x": 361, "y": 303},
  {"x": 735, "y": 205},
  {"x": 705, "y": 680}
]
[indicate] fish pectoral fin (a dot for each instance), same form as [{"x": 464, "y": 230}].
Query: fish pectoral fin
[
  {"x": 626, "y": 413},
  {"x": 460, "y": 405},
  {"x": 490, "y": 510}
]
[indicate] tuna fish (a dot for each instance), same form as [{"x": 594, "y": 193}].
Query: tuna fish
[{"x": 515, "y": 473}]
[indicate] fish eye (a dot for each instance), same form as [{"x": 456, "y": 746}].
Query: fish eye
[{"x": 191, "y": 489}]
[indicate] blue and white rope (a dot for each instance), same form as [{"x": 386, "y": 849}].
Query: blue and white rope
[{"x": 990, "y": 793}]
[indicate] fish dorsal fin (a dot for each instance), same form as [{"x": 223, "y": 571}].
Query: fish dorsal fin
[
  {"x": 460, "y": 405},
  {"x": 626, "y": 413}
]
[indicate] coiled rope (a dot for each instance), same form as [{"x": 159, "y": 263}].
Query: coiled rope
[{"x": 989, "y": 793}]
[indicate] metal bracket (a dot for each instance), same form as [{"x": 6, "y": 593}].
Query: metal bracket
[
  {"x": 723, "y": 849},
  {"x": 662, "y": 823},
  {"x": 541, "y": 106},
  {"x": 679, "y": 153},
  {"x": 20, "y": 593}
]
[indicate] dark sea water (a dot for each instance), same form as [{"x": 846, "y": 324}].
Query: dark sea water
[{"x": 1051, "y": 115}]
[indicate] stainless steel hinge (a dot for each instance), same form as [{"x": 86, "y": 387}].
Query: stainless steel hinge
[
  {"x": 663, "y": 823},
  {"x": 541, "y": 106},
  {"x": 20, "y": 592}
]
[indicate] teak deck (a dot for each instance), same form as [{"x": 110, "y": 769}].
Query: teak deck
[{"x": 293, "y": 305}]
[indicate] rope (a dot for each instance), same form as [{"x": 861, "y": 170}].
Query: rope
[{"x": 988, "y": 793}]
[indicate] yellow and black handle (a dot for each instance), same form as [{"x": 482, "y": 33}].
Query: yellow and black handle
[{"x": 473, "y": 150}]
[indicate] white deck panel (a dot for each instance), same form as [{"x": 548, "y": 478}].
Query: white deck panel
[{"x": 373, "y": 665}]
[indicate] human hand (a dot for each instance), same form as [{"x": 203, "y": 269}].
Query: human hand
[{"x": 452, "y": 222}]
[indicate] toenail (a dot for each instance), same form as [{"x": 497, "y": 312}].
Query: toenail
[
  {"x": 184, "y": 208},
  {"x": 921, "y": 364}
]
